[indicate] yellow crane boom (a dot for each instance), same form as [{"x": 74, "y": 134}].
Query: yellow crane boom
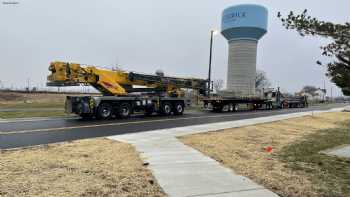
[{"x": 117, "y": 82}]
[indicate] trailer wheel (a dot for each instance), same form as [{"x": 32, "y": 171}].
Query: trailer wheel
[
  {"x": 166, "y": 109},
  {"x": 235, "y": 107},
  {"x": 124, "y": 110},
  {"x": 104, "y": 111},
  {"x": 225, "y": 108},
  {"x": 231, "y": 107},
  {"x": 178, "y": 109}
]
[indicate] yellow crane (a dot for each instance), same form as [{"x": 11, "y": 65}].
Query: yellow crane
[{"x": 161, "y": 94}]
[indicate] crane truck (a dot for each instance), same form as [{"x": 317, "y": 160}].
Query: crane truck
[{"x": 120, "y": 96}]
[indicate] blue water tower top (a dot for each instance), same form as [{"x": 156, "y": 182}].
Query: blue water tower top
[{"x": 245, "y": 21}]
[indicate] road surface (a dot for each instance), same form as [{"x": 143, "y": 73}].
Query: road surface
[{"x": 35, "y": 132}]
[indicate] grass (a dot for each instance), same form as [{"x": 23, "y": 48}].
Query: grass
[
  {"x": 23, "y": 105},
  {"x": 30, "y": 114},
  {"x": 331, "y": 174},
  {"x": 31, "y": 100},
  {"x": 26, "y": 105},
  {"x": 97, "y": 167},
  {"x": 294, "y": 167}
]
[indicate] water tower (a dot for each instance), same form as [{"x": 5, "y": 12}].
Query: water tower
[{"x": 243, "y": 26}]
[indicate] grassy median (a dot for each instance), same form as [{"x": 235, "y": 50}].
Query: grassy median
[
  {"x": 294, "y": 166},
  {"x": 97, "y": 167},
  {"x": 31, "y": 114},
  {"x": 27, "y": 105}
]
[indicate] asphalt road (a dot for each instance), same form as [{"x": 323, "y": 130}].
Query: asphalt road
[{"x": 35, "y": 132}]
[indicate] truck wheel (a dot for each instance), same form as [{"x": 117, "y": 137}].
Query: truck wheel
[
  {"x": 226, "y": 108},
  {"x": 166, "y": 109},
  {"x": 178, "y": 109},
  {"x": 104, "y": 111},
  {"x": 236, "y": 107},
  {"x": 124, "y": 110}
]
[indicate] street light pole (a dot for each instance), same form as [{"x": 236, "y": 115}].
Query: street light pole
[{"x": 212, "y": 32}]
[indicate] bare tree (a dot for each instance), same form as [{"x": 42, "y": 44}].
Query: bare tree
[
  {"x": 218, "y": 85},
  {"x": 261, "y": 80}
]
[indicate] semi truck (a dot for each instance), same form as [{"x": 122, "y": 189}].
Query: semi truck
[{"x": 124, "y": 93}]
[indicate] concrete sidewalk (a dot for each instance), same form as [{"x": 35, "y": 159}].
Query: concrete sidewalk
[{"x": 183, "y": 172}]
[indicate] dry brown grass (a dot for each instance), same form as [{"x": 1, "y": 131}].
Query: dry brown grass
[
  {"x": 15, "y": 97},
  {"x": 97, "y": 167},
  {"x": 243, "y": 150}
]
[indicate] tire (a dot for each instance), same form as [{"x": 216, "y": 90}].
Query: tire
[
  {"x": 166, "y": 109},
  {"x": 104, "y": 111},
  {"x": 124, "y": 110},
  {"x": 231, "y": 107},
  {"x": 179, "y": 108},
  {"x": 225, "y": 108}
]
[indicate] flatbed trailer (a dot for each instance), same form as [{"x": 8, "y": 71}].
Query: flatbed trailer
[
  {"x": 270, "y": 100},
  {"x": 230, "y": 104}
]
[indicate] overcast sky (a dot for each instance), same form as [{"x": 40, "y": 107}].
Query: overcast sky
[{"x": 148, "y": 35}]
